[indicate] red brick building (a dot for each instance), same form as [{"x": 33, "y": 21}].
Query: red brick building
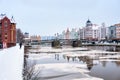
[{"x": 7, "y": 31}]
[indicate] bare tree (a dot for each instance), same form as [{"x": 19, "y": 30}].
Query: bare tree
[
  {"x": 29, "y": 72},
  {"x": 19, "y": 35}
]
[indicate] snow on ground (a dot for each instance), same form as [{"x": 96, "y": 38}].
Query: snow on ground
[
  {"x": 54, "y": 50},
  {"x": 93, "y": 54},
  {"x": 11, "y": 63},
  {"x": 60, "y": 71},
  {"x": 110, "y": 58},
  {"x": 64, "y": 71}
]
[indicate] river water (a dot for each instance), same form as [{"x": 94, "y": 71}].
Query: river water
[{"x": 107, "y": 68}]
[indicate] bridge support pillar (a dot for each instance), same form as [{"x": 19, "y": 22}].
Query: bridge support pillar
[
  {"x": 55, "y": 43},
  {"x": 76, "y": 43}
]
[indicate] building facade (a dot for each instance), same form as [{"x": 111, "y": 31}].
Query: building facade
[
  {"x": 81, "y": 33},
  {"x": 112, "y": 32},
  {"x": 26, "y": 35},
  {"x": 91, "y": 31},
  {"x": 7, "y": 32},
  {"x": 103, "y": 32},
  {"x": 74, "y": 34},
  {"x": 117, "y": 31},
  {"x": 67, "y": 34},
  {"x": 35, "y": 38}
]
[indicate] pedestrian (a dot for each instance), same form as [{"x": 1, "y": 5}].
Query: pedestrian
[{"x": 20, "y": 44}]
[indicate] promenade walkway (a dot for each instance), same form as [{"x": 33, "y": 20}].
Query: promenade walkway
[{"x": 11, "y": 63}]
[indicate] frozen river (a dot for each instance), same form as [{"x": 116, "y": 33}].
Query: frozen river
[{"x": 76, "y": 64}]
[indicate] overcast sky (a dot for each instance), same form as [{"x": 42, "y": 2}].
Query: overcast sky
[{"x": 47, "y": 17}]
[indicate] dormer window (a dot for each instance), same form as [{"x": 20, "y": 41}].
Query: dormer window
[
  {"x": 5, "y": 24},
  {"x": 0, "y": 25}
]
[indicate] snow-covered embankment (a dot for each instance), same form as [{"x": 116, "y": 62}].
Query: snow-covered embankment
[{"x": 11, "y": 63}]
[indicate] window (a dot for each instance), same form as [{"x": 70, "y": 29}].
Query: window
[
  {"x": 6, "y": 38},
  {"x": 5, "y": 33},
  {"x": 5, "y": 24},
  {"x": 0, "y": 25},
  {"x": 111, "y": 31}
]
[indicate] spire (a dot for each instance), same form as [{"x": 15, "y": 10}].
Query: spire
[
  {"x": 88, "y": 23},
  {"x": 12, "y": 20}
]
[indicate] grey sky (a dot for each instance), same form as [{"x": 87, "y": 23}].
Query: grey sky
[{"x": 47, "y": 17}]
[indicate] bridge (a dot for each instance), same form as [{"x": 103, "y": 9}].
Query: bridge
[
  {"x": 55, "y": 42},
  {"x": 62, "y": 41}
]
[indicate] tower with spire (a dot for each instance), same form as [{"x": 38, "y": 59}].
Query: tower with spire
[{"x": 88, "y": 23}]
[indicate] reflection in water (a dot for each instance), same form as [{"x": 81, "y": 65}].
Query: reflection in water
[
  {"x": 57, "y": 56},
  {"x": 104, "y": 63},
  {"x": 108, "y": 70},
  {"x": 73, "y": 59},
  {"x": 84, "y": 59},
  {"x": 117, "y": 63},
  {"x": 104, "y": 68},
  {"x": 89, "y": 67},
  {"x": 68, "y": 58}
]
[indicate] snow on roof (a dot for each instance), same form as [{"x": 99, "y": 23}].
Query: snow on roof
[{"x": 12, "y": 20}]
